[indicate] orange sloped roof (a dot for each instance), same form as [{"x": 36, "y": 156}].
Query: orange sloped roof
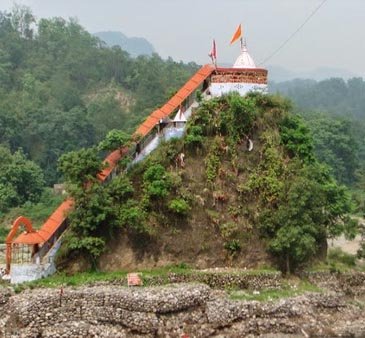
[
  {"x": 158, "y": 114},
  {"x": 174, "y": 103},
  {"x": 154, "y": 119},
  {"x": 113, "y": 157},
  {"x": 183, "y": 93},
  {"x": 29, "y": 238},
  {"x": 48, "y": 228},
  {"x": 165, "y": 109},
  {"x": 111, "y": 161},
  {"x": 142, "y": 130},
  {"x": 150, "y": 122}
]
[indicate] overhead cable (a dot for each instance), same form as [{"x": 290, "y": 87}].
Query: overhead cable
[{"x": 295, "y": 33}]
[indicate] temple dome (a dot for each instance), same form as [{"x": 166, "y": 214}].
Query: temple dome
[{"x": 244, "y": 60}]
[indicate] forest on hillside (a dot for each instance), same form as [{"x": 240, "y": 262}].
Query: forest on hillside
[
  {"x": 62, "y": 89},
  {"x": 334, "y": 109}
]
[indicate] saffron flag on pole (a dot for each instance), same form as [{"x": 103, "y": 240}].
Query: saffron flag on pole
[
  {"x": 213, "y": 52},
  {"x": 237, "y": 34}
]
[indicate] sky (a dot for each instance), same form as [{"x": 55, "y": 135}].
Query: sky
[{"x": 184, "y": 30}]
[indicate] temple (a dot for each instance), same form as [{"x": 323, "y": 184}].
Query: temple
[
  {"x": 30, "y": 255},
  {"x": 243, "y": 77}
]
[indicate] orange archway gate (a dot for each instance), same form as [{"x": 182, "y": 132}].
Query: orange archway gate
[{"x": 9, "y": 239}]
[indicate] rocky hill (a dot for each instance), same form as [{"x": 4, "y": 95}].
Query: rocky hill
[{"x": 248, "y": 193}]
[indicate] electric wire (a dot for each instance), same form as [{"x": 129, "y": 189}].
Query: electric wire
[{"x": 295, "y": 33}]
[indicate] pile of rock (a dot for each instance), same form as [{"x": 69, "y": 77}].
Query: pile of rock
[
  {"x": 5, "y": 294},
  {"x": 351, "y": 283},
  {"x": 174, "y": 310},
  {"x": 224, "y": 280},
  {"x": 217, "y": 279},
  {"x": 134, "y": 309}
]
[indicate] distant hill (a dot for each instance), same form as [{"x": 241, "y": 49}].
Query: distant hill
[
  {"x": 336, "y": 95},
  {"x": 281, "y": 74},
  {"x": 134, "y": 46}
]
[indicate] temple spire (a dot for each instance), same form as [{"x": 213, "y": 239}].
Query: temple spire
[{"x": 244, "y": 60}]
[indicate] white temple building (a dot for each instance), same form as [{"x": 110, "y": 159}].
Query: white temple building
[{"x": 243, "y": 77}]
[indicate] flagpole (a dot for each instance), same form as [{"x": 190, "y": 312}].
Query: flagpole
[{"x": 213, "y": 54}]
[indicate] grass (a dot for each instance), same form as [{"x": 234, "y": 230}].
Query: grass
[
  {"x": 289, "y": 290},
  {"x": 61, "y": 279},
  {"x": 3, "y": 233},
  {"x": 338, "y": 261},
  {"x": 338, "y": 256}
]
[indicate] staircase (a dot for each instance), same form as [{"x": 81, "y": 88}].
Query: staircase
[{"x": 56, "y": 224}]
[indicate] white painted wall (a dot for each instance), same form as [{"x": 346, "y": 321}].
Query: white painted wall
[
  {"x": 219, "y": 89},
  {"x": 167, "y": 134},
  {"x": 20, "y": 273},
  {"x": 147, "y": 149}
]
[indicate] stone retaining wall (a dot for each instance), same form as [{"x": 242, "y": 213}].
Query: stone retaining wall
[
  {"x": 192, "y": 309},
  {"x": 216, "y": 280},
  {"x": 112, "y": 310},
  {"x": 351, "y": 283},
  {"x": 223, "y": 280},
  {"x": 5, "y": 294}
]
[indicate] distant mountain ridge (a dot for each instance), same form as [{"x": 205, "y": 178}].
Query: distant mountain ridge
[
  {"x": 281, "y": 74},
  {"x": 135, "y": 46}
]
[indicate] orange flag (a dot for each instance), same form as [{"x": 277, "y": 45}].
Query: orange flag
[{"x": 236, "y": 35}]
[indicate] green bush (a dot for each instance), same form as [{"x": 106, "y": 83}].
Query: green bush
[
  {"x": 80, "y": 166},
  {"x": 296, "y": 137},
  {"x": 228, "y": 230},
  {"x": 212, "y": 161},
  {"x": 199, "y": 96},
  {"x": 3, "y": 233},
  {"x": 156, "y": 181},
  {"x": 21, "y": 180},
  {"x": 338, "y": 256},
  {"x": 120, "y": 189},
  {"x": 179, "y": 206},
  {"x": 233, "y": 246},
  {"x": 115, "y": 139},
  {"x": 243, "y": 112},
  {"x": 132, "y": 216},
  {"x": 194, "y": 137}
]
